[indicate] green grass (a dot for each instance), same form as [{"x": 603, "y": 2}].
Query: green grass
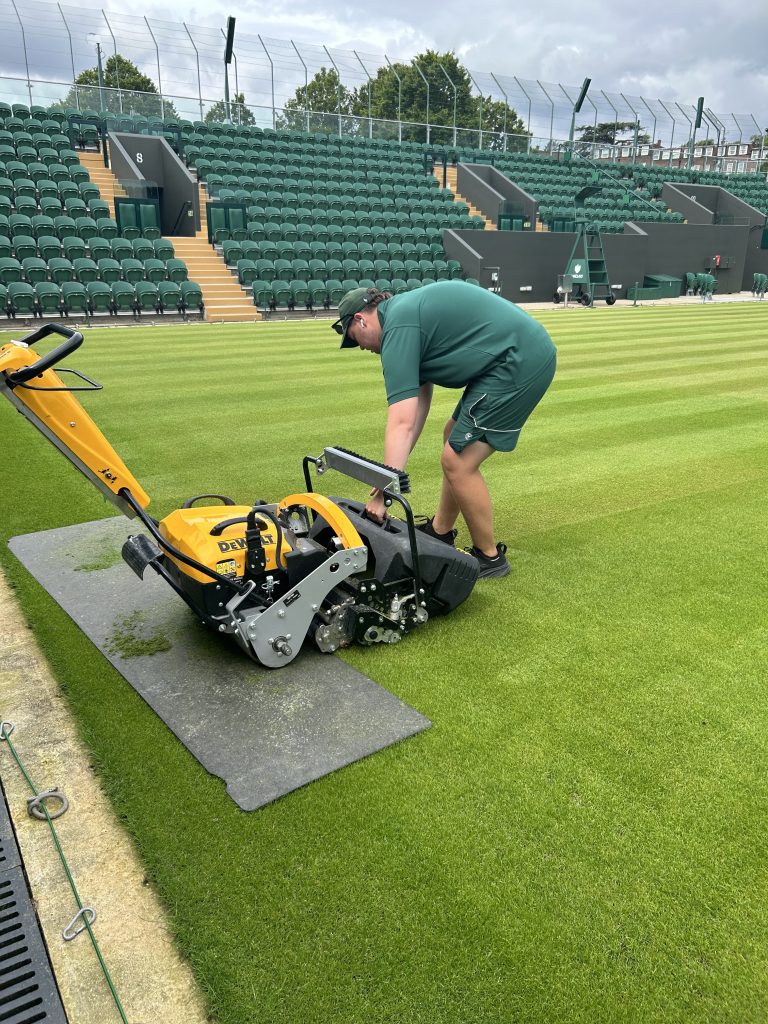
[{"x": 581, "y": 835}]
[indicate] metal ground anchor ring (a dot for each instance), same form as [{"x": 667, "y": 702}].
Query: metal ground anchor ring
[
  {"x": 6, "y": 728},
  {"x": 37, "y": 809},
  {"x": 86, "y": 912}
]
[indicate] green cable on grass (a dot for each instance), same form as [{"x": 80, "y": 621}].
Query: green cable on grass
[{"x": 6, "y": 728}]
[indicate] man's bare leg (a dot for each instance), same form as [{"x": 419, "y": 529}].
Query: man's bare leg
[
  {"x": 448, "y": 507},
  {"x": 465, "y": 491}
]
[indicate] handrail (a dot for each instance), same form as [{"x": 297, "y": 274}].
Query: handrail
[{"x": 182, "y": 212}]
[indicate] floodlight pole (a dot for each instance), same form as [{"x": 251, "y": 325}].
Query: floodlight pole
[
  {"x": 338, "y": 87},
  {"x": 306, "y": 83},
  {"x": 615, "y": 116},
  {"x": 416, "y": 65},
  {"x": 197, "y": 58},
  {"x": 594, "y": 125},
  {"x": 522, "y": 90},
  {"x": 480, "y": 125},
  {"x": 455, "y": 94},
  {"x": 672, "y": 136},
  {"x": 365, "y": 72},
  {"x": 551, "y": 116},
  {"x": 71, "y": 54},
  {"x": 117, "y": 62},
  {"x": 159, "y": 80},
  {"x": 399, "y": 98},
  {"x": 24, "y": 44},
  {"x": 100, "y": 71},
  {"x": 690, "y": 133},
  {"x": 637, "y": 126},
  {"x": 653, "y": 130},
  {"x": 272, "y": 75},
  {"x": 506, "y": 108},
  {"x": 761, "y": 136}
]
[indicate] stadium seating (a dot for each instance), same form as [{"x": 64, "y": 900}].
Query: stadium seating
[{"x": 58, "y": 240}]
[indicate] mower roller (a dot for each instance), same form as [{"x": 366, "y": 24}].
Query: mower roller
[{"x": 270, "y": 575}]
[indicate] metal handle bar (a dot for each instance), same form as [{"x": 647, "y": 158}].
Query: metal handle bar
[{"x": 74, "y": 340}]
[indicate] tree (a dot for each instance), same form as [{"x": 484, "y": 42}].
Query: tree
[
  {"x": 238, "y": 111},
  {"x": 607, "y": 133},
  {"x": 126, "y": 90},
  {"x": 399, "y": 93},
  {"x": 325, "y": 93}
]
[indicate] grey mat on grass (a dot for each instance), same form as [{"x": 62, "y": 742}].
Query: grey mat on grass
[{"x": 264, "y": 732}]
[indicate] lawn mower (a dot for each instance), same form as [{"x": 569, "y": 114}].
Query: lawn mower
[{"x": 271, "y": 574}]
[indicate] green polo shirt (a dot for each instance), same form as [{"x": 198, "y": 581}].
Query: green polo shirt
[{"x": 452, "y": 333}]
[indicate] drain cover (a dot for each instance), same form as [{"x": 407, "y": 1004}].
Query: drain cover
[{"x": 28, "y": 991}]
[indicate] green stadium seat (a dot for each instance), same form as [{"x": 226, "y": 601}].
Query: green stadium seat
[
  {"x": 143, "y": 249},
  {"x": 155, "y": 270},
  {"x": 99, "y": 297},
  {"x": 42, "y": 225},
  {"x": 88, "y": 191},
  {"x": 109, "y": 270},
  {"x": 265, "y": 270},
  {"x": 318, "y": 293},
  {"x": 21, "y": 299},
  {"x": 6, "y": 249},
  {"x": 63, "y": 225},
  {"x": 99, "y": 210},
  {"x": 247, "y": 272},
  {"x": 49, "y": 299},
  {"x": 262, "y": 294},
  {"x": 24, "y": 246},
  {"x": 85, "y": 269},
  {"x": 192, "y": 296},
  {"x": 48, "y": 247},
  {"x": 99, "y": 248},
  {"x": 133, "y": 269},
  {"x": 123, "y": 297},
  {"x": 73, "y": 246},
  {"x": 300, "y": 295},
  {"x": 163, "y": 248},
  {"x": 169, "y": 297},
  {"x": 107, "y": 227},
  {"x": 121, "y": 248},
  {"x": 146, "y": 296},
  {"x": 35, "y": 269},
  {"x": 283, "y": 270},
  {"x": 60, "y": 270},
  {"x": 281, "y": 294},
  {"x": 127, "y": 220},
  {"x": 19, "y": 224},
  {"x": 75, "y": 207}
]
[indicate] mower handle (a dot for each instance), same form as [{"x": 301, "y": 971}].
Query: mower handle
[{"x": 73, "y": 340}]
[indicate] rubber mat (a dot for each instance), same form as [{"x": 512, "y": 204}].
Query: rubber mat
[{"x": 264, "y": 732}]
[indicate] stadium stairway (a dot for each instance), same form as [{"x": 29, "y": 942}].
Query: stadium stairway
[
  {"x": 102, "y": 176},
  {"x": 224, "y": 299},
  {"x": 451, "y": 180}
]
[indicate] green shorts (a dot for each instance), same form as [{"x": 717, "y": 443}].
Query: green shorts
[{"x": 497, "y": 418}]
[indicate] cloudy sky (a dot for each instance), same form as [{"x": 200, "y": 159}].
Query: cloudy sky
[{"x": 658, "y": 50}]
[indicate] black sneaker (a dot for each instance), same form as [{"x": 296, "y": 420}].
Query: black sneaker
[
  {"x": 489, "y": 567},
  {"x": 449, "y": 537}
]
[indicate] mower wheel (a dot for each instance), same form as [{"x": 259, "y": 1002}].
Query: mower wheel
[
  {"x": 557, "y": 297},
  {"x": 610, "y": 300},
  {"x": 585, "y": 299}
]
